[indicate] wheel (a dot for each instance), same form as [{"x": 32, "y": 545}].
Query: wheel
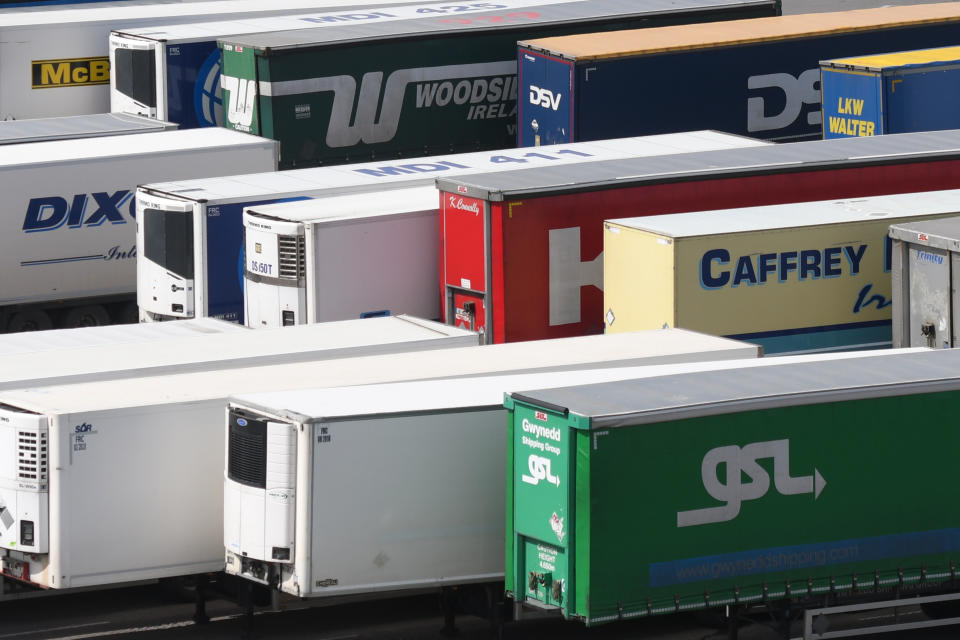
[
  {"x": 92, "y": 315},
  {"x": 30, "y": 320},
  {"x": 127, "y": 313}
]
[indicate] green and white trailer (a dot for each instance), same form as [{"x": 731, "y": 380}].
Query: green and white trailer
[
  {"x": 791, "y": 485},
  {"x": 417, "y": 80}
]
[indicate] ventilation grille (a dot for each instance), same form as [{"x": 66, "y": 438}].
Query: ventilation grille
[
  {"x": 247, "y": 451},
  {"x": 292, "y": 257},
  {"x": 32, "y": 456}
]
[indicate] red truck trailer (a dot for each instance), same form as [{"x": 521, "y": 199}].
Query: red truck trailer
[{"x": 522, "y": 250}]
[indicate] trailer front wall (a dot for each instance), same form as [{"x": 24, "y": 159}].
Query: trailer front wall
[
  {"x": 533, "y": 240},
  {"x": 800, "y": 500},
  {"x": 768, "y": 89}
]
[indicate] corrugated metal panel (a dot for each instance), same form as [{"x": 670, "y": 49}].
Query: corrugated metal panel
[
  {"x": 559, "y": 12},
  {"x": 500, "y": 185},
  {"x": 689, "y": 395},
  {"x": 634, "y": 42}
]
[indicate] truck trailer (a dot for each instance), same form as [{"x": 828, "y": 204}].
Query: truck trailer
[
  {"x": 523, "y": 249},
  {"x": 172, "y": 72},
  {"x": 169, "y": 349},
  {"x": 777, "y": 493},
  {"x": 54, "y": 61},
  {"x": 207, "y": 213},
  {"x": 70, "y": 127},
  {"x": 441, "y": 444},
  {"x": 355, "y": 256},
  {"x": 448, "y": 77},
  {"x": 163, "y": 437},
  {"x": 70, "y": 258},
  {"x": 756, "y": 77},
  {"x": 807, "y": 276},
  {"x": 869, "y": 95}
]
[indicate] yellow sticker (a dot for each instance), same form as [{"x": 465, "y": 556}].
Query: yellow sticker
[{"x": 70, "y": 72}]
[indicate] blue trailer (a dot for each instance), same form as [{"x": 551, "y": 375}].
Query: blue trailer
[
  {"x": 758, "y": 77},
  {"x": 898, "y": 92}
]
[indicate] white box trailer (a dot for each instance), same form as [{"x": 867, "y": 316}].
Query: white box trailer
[
  {"x": 54, "y": 61},
  {"x": 172, "y": 71},
  {"x": 132, "y": 485},
  {"x": 208, "y": 212},
  {"x": 334, "y": 258},
  {"x": 94, "y": 125},
  {"x": 168, "y": 348},
  {"x": 69, "y": 235},
  {"x": 433, "y": 512}
]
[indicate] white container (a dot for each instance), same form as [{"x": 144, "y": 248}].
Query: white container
[
  {"x": 426, "y": 461},
  {"x": 339, "y": 257},
  {"x": 94, "y": 125},
  {"x": 54, "y": 60},
  {"x": 133, "y": 487},
  {"x": 214, "y": 209},
  {"x": 106, "y": 353},
  {"x": 69, "y": 234}
]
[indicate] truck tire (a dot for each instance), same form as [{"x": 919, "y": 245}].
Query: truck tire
[
  {"x": 92, "y": 315},
  {"x": 29, "y": 320}
]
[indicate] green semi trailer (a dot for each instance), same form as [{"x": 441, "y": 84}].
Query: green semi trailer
[
  {"x": 795, "y": 485},
  {"x": 417, "y": 80}
]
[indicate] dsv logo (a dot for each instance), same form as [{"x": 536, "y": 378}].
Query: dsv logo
[
  {"x": 734, "y": 491},
  {"x": 797, "y": 92},
  {"x": 539, "y": 470},
  {"x": 545, "y": 97},
  {"x": 52, "y": 212},
  {"x": 243, "y": 96},
  {"x": 347, "y": 130}
]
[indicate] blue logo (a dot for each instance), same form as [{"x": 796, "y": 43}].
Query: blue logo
[
  {"x": 241, "y": 422},
  {"x": 52, "y": 212},
  {"x": 83, "y": 428},
  {"x": 207, "y": 98}
]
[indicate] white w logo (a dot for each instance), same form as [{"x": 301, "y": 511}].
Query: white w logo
[
  {"x": 243, "y": 94},
  {"x": 366, "y": 127}
]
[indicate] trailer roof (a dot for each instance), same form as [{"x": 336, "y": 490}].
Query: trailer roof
[
  {"x": 316, "y": 405},
  {"x": 86, "y": 126},
  {"x": 356, "y": 206},
  {"x": 548, "y": 12},
  {"x": 691, "y": 395},
  {"x": 17, "y": 155},
  {"x": 796, "y": 215},
  {"x": 623, "y": 349},
  {"x": 779, "y": 158},
  {"x": 710, "y": 35},
  {"x": 881, "y": 61},
  {"x": 131, "y": 14},
  {"x": 423, "y": 170},
  {"x": 939, "y": 234},
  {"x": 114, "y": 334},
  {"x": 204, "y": 352},
  {"x": 311, "y": 12}
]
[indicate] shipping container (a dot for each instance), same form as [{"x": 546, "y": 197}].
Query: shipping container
[
  {"x": 448, "y": 78},
  {"x": 891, "y": 93},
  {"x": 207, "y": 213},
  {"x": 74, "y": 355},
  {"x": 440, "y": 442},
  {"x": 69, "y": 127},
  {"x": 54, "y": 61},
  {"x": 809, "y": 276},
  {"x": 354, "y": 256},
  {"x": 69, "y": 237},
  {"x": 757, "y": 77},
  {"x": 925, "y": 258},
  {"x": 786, "y": 487},
  {"x": 172, "y": 71},
  {"x": 523, "y": 249},
  {"x": 162, "y": 436}
]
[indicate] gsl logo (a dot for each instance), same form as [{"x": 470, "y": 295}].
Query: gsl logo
[
  {"x": 539, "y": 470},
  {"x": 737, "y": 462},
  {"x": 52, "y": 212},
  {"x": 545, "y": 97},
  {"x": 243, "y": 95}
]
